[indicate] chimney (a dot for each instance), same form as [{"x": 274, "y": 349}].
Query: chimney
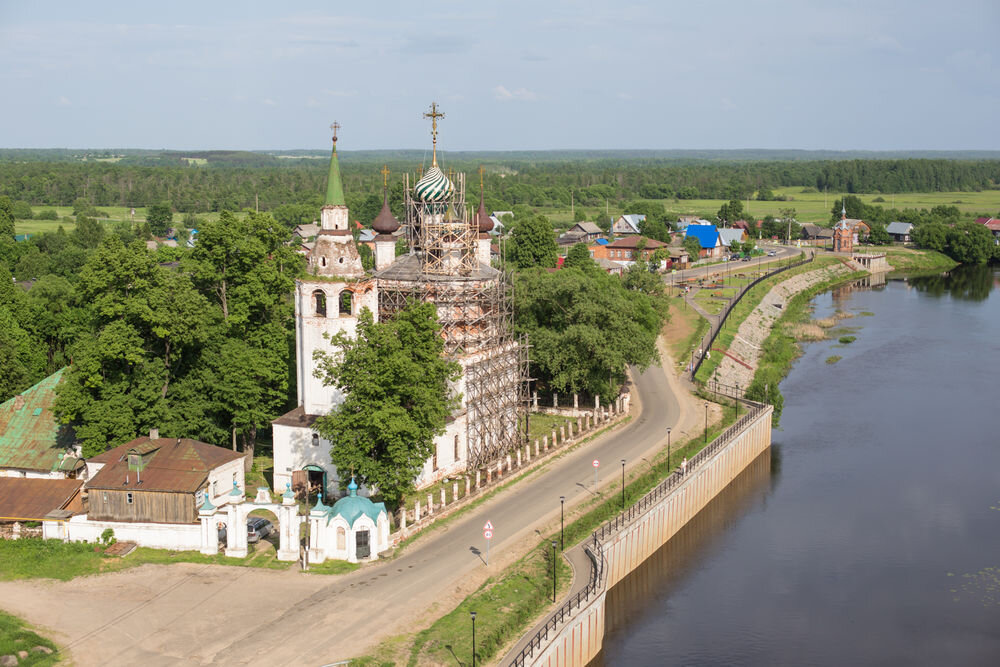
[
  {"x": 154, "y": 433},
  {"x": 18, "y": 402}
]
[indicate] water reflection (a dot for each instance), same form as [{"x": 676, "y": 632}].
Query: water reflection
[
  {"x": 966, "y": 282},
  {"x": 657, "y": 577}
]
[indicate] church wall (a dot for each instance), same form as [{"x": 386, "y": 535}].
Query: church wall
[
  {"x": 293, "y": 450},
  {"x": 444, "y": 446}
]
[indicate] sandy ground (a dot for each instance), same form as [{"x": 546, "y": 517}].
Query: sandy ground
[{"x": 210, "y": 614}]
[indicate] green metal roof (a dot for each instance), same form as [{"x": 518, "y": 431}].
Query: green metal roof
[
  {"x": 30, "y": 436},
  {"x": 351, "y": 507},
  {"x": 334, "y": 187}
]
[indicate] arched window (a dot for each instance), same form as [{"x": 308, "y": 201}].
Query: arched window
[
  {"x": 346, "y": 297},
  {"x": 341, "y": 539},
  {"x": 322, "y": 261},
  {"x": 315, "y": 439},
  {"x": 319, "y": 303}
]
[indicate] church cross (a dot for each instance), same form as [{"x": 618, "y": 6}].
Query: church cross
[
  {"x": 385, "y": 176},
  {"x": 482, "y": 170},
  {"x": 335, "y": 126},
  {"x": 434, "y": 114}
]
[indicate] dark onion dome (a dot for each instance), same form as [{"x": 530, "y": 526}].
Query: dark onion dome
[
  {"x": 485, "y": 223},
  {"x": 434, "y": 186},
  {"x": 385, "y": 221}
]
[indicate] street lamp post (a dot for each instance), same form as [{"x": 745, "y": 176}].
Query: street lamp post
[
  {"x": 706, "y": 423},
  {"x": 737, "y": 400},
  {"x": 473, "y": 615},
  {"x": 553, "y": 571},
  {"x": 668, "y": 448},
  {"x": 562, "y": 514},
  {"x": 623, "y": 485}
]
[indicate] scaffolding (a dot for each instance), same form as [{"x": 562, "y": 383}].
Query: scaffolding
[
  {"x": 442, "y": 233},
  {"x": 474, "y": 309}
]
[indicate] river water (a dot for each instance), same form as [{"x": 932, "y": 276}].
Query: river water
[{"x": 870, "y": 533}]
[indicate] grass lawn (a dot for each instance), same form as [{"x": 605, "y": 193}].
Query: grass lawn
[
  {"x": 911, "y": 259},
  {"x": 115, "y": 214},
  {"x": 16, "y": 636}
]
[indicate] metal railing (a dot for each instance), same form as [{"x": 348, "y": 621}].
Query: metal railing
[
  {"x": 721, "y": 319},
  {"x": 559, "y": 616},
  {"x": 596, "y": 550}
]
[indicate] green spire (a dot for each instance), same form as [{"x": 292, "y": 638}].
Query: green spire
[{"x": 334, "y": 188}]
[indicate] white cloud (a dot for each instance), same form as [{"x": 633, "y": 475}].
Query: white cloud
[
  {"x": 64, "y": 101},
  {"x": 267, "y": 101},
  {"x": 520, "y": 94}
]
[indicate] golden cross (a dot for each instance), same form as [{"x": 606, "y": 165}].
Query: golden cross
[
  {"x": 434, "y": 114},
  {"x": 335, "y": 126},
  {"x": 385, "y": 176},
  {"x": 482, "y": 171}
]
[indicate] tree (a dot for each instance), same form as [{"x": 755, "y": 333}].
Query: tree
[
  {"x": 159, "y": 217},
  {"x": 579, "y": 257},
  {"x": 585, "y": 328},
  {"x": 693, "y": 247},
  {"x": 8, "y": 251},
  {"x": 730, "y": 212},
  {"x": 22, "y": 211},
  {"x": 397, "y": 398},
  {"x": 879, "y": 235},
  {"x": 655, "y": 229},
  {"x": 532, "y": 243},
  {"x": 970, "y": 243},
  {"x": 931, "y": 235}
]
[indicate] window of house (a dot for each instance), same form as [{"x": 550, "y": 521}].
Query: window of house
[
  {"x": 319, "y": 303},
  {"x": 215, "y": 487},
  {"x": 628, "y": 254},
  {"x": 128, "y": 498},
  {"x": 322, "y": 261},
  {"x": 315, "y": 439}
]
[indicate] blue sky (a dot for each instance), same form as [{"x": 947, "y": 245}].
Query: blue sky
[{"x": 510, "y": 75}]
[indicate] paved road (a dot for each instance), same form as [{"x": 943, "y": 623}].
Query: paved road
[
  {"x": 190, "y": 614},
  {"x": 781, "y": 253}
]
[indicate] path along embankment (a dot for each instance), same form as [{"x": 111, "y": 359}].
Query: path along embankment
[{"x": 741, "y": 359}]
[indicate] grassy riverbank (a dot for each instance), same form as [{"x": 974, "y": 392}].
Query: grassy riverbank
[
  {"x": 912, "y": 259},
  {"x": 508, "y": 605}
]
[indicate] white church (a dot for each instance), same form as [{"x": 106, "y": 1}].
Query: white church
[{"x": 447, "y": 263}]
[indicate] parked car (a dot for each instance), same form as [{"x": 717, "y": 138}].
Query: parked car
[
  {"x": 772, "y": 253},
  {"x": 258, "y": 528}
]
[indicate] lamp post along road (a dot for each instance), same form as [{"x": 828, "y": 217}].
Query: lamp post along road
[
  {"x": 473, "y": 615},
  {"x": 553, "y": 571},
  {"x": 668, "y": 448},
  {"x": 623, "y": 485},
  {"x": 562, "y": 516},
  {"x": 706, "y": 423}
]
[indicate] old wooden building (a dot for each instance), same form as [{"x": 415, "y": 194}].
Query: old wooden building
[{"x": 160, "y": 480}]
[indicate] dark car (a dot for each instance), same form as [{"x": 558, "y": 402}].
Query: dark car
[{"x": 258, "y": 528}]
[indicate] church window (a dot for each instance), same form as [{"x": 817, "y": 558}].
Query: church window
[
  {"x": 341, "y": 539},
  {"x": 346, "y": 297},
  {"x": 322, "y": 261},
  {"x": 319, "y": 301},
  {"x": 315, "y": 439},
  {"x": 456, "y": 446},
  {"x": 435, "y": 462},
  {"x": 215, "y": 487}
]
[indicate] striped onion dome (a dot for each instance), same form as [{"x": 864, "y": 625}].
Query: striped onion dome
[{"x": 434, "y": 186}]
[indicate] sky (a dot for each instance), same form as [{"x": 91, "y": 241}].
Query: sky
[{"x": 509, "y": 75}]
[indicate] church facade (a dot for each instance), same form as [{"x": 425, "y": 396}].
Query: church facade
[{"x": 447, "y": 263}]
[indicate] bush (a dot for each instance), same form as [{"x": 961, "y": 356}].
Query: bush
[
  {"x": 847, "y": 339},
  {"x": 108, "y": 537},
  {"x": 47, "y": 214}
]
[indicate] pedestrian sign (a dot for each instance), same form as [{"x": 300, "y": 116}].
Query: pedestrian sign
[{"x": 489, "y": 525}]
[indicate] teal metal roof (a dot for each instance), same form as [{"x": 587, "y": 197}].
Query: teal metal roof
[
  {"x": 30, "y": 436},
  {"x": 352, "y": 506}
]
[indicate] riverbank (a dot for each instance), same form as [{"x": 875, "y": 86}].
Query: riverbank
[{"x": 913, "y": 259}]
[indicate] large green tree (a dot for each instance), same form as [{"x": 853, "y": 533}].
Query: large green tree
[
  {"x": 585, "y": 328},
  {"x": 159, "y": 217},
  {"x": 398, "y": 396},
  {"x": 970, "y": 243},
  {"x": 532, "y": 243}
]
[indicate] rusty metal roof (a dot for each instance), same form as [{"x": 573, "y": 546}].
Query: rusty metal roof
[
  {"x": 168, "y": 464},
  {"x": 31, "y": 499},
  {"x": 30, "y": 436}
]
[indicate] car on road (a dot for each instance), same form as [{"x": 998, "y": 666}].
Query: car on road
[
  {"x": 746, "y": 259},
  {"x": 258, "y": 528},
  {"x": 772, "y": 253}
]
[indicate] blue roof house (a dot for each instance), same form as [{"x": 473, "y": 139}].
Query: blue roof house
[{"x": 708, "y": 236}]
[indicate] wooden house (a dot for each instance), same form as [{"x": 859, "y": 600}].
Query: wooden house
[{"x": 160, "y": 480}]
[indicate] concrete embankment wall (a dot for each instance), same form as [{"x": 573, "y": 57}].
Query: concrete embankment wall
[{"x": 579, "y": 639}]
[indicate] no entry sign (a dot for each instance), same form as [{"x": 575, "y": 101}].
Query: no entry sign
[{"x": 597, "y": 463}]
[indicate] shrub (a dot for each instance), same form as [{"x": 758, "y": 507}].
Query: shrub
[
  {"x": 847, "y": 339},
  {"x": 47, "y": 214},
  {"x": 108, "y": 537}
]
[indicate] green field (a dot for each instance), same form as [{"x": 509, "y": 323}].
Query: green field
[
  {"x": 115, "y": 214},
  {"x": 810, "y": 206}
]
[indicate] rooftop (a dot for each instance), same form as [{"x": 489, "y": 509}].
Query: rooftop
[
  {"x": 31, "y": 499},
  {"x": 633, "y": 242},
  {"x": 30, "y": 436},
  {"x": 168, "y": 464}
]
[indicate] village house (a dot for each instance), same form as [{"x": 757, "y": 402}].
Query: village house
[
  {"x": 992, "y": 224},
  {"x": 25, "y": 499},
  {"x": 627, "y": 250},
  {"x": 160, "y": 480},
  {"x": 32, "y": 442},
  {"x": 590, "y": 230},
  {"x": 900, "y": 231},
  {"x": 708, "y": 237},
  {"x": 627, "y": 224},
  {"x": 730, "y": 235}
]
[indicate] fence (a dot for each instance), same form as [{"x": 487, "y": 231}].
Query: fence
[
  {"x": 706, "y": 342},
  {"x": 595, "y": 551}
]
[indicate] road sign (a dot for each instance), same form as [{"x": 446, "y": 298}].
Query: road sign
[
  {"x": 488, "y": 534},
  {"x": 597, "y": 463},
  {"x": 489, "y": 525}
]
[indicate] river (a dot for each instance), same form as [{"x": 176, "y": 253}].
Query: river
[{"x": 870, "y": 535}]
